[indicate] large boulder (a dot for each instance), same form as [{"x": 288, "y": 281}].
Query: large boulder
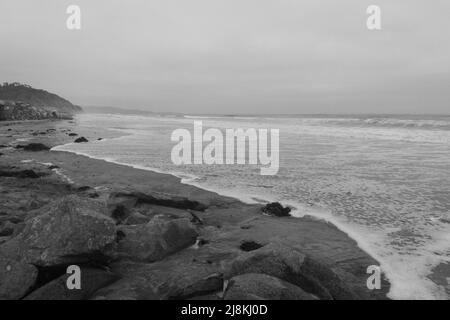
[
  {"x": 175, "y": 278},
  {"x": 156, "y": 239},
  {"x": 72, "y": 230},
  {"x": 254, "y": 286},
  {"x": 81, "y": 140},
  {"x": 91, "y": 281},
  {"x": 276, "y": 209},
  {"x": 16, "y": 278},
  {"x": 33, "y": 147},
  {"x": 288, "y": 264}
]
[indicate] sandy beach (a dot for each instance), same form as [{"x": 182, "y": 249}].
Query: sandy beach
[{"x": 224, "y": 230}]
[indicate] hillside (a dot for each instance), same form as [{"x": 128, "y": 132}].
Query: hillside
[{"x": 22, "y": 102}]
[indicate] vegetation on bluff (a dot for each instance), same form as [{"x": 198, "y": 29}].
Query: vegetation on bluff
[{"x": 22, "y": 102}]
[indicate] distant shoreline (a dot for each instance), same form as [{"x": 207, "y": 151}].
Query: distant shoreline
[{"x": 142, "y": 111}]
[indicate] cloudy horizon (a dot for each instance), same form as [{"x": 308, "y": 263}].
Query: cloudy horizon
[{"x": 246, "y": 56}]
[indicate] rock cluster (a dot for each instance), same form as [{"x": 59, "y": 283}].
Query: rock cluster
[
  {"x": 155, "y": 240},
  {"x": 73, "y": 230},
  {"x": 143, "y": 243},
  {"x": 291, "y": 266},
  {"x": 33, "y": 147},
  {"x": 149, "y": 260},
  {"x": 79, "y": 231},
  {"x": 276, "y": 209}
]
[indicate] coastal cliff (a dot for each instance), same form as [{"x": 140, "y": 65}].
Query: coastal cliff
[{"x": 22, "y": 102}]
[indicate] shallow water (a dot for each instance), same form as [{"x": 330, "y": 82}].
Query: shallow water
[{"x": 384, "y": 180}]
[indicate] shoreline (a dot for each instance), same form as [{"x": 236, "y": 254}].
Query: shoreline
[
  {"x": 323, "y": 218},
  {"x": 299, "y": 210},
  {"x": 424, "y": 280},
  {"x": 315, "y": 237}
]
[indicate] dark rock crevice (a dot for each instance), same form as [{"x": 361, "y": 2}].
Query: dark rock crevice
[
  {"x": 250, "y": 246},
  {"x": 22, "y": 174},
  {"x": 161, "y": 200},
  {"x": 33, "y": 147}
]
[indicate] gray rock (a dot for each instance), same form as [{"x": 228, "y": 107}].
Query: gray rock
[
  {"x": 33, "y": 147},
  {"x": 137, "y": 218},
  {"x": 16, "y": 278},
  {"x": 81, "y": 140},
  {"x": 175, "y": 279},
  {"x": 288, "y": 264},
  {"x": 7, "y": 229},
  {"x": 161, "y": 199},
  {"x": 276, "y": 209},
  {"x": 91, "y": 281},
  {"x": 156, "y": 239},
  {"x": 73, "y": 230},
  {"x": 254, "y": 286}
]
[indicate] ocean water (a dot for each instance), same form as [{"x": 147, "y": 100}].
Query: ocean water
[{"x": 385, "y": 180}]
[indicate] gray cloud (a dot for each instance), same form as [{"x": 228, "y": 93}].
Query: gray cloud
[{"x": 233, "y": 56}]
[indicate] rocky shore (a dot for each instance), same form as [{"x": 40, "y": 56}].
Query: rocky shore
[{"x": 138, "y": 234}]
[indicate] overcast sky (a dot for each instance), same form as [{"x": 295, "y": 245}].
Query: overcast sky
[{"x": 233, "y": 56}]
